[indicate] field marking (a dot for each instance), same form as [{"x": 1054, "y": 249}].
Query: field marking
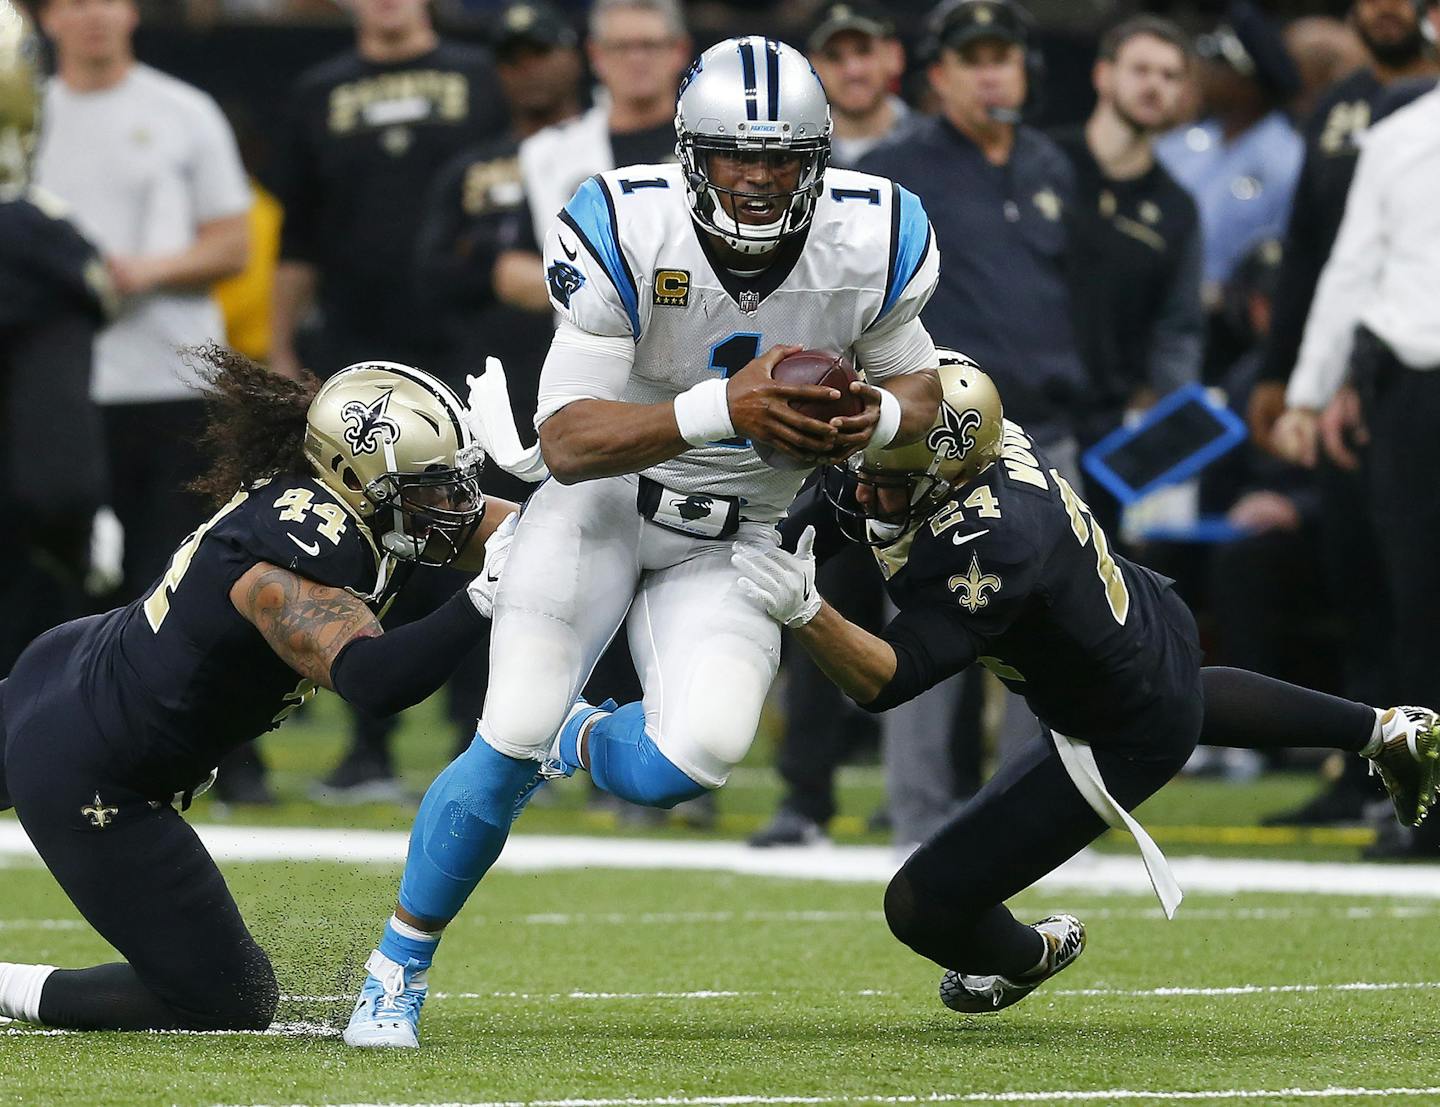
[
  {"x": 1167, "y": 992},
  {"x": 1108, "y": 1095},
  {"x": 43, "y": 924},
  {"x": 278, "y": 1030},
  {"x": 853, "y": 864}
]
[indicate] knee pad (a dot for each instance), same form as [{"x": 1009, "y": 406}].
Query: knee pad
[
  {"x": 245, "y": 1000},
  {"x": 714, "y": 727},
  {"x": 534, "y": 670}
]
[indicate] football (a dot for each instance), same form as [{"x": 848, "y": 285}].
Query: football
[{"x": 813, "y": 367}]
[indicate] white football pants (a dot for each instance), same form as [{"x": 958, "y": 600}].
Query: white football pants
[{"x": 582, "y": 557}]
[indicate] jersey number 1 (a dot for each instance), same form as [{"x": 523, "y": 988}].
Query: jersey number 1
[{"x": 728, "y": 357}]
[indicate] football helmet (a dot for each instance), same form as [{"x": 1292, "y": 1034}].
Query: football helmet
[
  {"x": 963, "y": 442},
  {"x": 758, "y": 97},
  {"x": 19, "y": 99},
  {"x": 392, "y": 442}
]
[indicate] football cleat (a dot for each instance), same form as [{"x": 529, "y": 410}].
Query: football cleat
[
  {"x": 387, "y": 1014},
  {"x": 977, "y": 995},
  {"x": 1408, "y": 761}
]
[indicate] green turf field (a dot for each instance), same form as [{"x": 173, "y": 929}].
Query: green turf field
[
  {"x": 651, "y": 989},
  {"x": 691, "y": 986}
]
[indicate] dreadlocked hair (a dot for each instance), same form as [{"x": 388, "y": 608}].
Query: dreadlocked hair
[{"x": 255, "y": 420}]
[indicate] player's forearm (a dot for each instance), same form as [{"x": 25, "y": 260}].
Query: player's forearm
[
  {"x": 472, "y": 557},
  {"x": 919, "y": 396},
  {"x": 858, "y": 662},
  {"x": 221, "y": 249},
  {"x": 603, "y": 438}
]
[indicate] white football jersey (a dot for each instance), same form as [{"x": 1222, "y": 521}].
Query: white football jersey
[{"x": 624, "y": 258}]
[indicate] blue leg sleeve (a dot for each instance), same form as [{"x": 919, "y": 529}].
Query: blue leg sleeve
[
  {"x": 625, "y": 761},
  {"x": 462, "y": 824}
]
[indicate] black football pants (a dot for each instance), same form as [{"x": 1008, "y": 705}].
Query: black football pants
[
  {"x": 947, "y": 901},
  {"x": 132, "y": 866}
]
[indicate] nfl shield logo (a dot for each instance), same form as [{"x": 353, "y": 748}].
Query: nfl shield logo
[{"x": 749, "y": 302}]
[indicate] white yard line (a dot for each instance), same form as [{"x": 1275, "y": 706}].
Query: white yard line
[
  {"x": 1108, "y": 1095},
  {"x": 866, "y": 864}
]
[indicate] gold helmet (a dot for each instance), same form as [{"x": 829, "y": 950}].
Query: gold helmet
[
  {"x": 392, "y": 442},
  {"x": 19, "y": 98},
  {"x": 963, "y": 442}
]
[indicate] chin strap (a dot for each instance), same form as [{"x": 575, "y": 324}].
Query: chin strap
[{"x": 493, "y": 425}]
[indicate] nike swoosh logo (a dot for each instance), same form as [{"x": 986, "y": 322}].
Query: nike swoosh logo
[
  {"x": 569, "y": 253},
  {"x": 311, "y": 548},
  {"x": 961, "y": 539}
]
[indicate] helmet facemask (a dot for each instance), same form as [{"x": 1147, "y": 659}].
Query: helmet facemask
[
  {"x": 712, "y": 204},
  {"x": 923, "y": 495},
  {"x": 435, "y": 513}
]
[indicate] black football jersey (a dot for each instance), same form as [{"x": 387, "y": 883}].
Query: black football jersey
[
  {"x": 179, "y": 677},
  {"x": 1015, "y": 574}
]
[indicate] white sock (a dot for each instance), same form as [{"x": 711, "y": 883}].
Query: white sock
[
  {"x": 1377, "y": 736},
  {"x": 20, "y": 987},
  {"x": 405, "y": 930}
]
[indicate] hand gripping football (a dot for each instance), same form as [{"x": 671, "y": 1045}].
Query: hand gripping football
[{"x": 813, "y": 367}]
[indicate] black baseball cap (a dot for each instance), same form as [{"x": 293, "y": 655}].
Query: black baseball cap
[
  {"x": 849, "y": 15},
  {"x": 532, "y": 22},
  {"x": 958, "y": 24},
  {"x": 1252, "y": 46}
]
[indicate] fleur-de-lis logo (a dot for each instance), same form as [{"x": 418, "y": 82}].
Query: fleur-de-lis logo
[
  {"x": 955, "y": 436},
  {"x": 972, "y": 585},
  {"x": 367, "y": 427},
  {"x": 99, "y": 813}
]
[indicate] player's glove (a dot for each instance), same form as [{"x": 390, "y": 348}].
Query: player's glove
[
  {"x": 497, "y": 551},
  {"x": 493, "y": 425},
  {"x": 781, "y": 582}
]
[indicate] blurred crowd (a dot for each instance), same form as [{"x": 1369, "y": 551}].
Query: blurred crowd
[{"x": 1127, "y": 202}]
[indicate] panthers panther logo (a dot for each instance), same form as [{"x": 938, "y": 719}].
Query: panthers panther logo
[
  {"x": 564, "y": 281},
  {"x": 367, "y": 427},
  {"x": 954, "y": 438},
  {"x": 693, "y": 507}
]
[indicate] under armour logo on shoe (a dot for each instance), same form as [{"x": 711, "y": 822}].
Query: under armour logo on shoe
[{"x": 99, "y": 813}]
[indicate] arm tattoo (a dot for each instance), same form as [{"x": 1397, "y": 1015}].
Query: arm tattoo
[{"x": 307, "y": 624}]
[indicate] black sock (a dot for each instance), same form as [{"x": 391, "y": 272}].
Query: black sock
[
  {"x": 1249, "y": 711},
  {"x": 107, "y": 997}
]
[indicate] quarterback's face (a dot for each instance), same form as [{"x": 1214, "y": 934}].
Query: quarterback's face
[
  {"x": 755, "y": 185},
  {"x": 858, "y": 70},
  {"x": 979, "y": 79},
  {"x": 90, "y": 30},
  {"x": 1145, "y": 83}
]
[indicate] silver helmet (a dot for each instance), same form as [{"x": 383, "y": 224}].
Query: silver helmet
[{"x": 759, "y": 97}]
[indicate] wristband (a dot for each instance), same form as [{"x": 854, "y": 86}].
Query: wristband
[
  {"x": 889, "y": 425},
  {"x": 703, "y": 413}
]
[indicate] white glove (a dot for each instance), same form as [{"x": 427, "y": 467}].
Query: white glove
[
  {"x": 493, "y": 425},
  {"x": 782, "y": 583},
  {"x": 497, "y": 552}
]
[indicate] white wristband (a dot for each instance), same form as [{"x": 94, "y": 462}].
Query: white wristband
[
  {"x": 703, "y": 413},
  {"x": 889, "y": 425}
]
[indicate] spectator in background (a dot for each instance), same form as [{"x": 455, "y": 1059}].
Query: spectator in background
[
  {"x": 1399, "y": 57},
  {"x": 1135, "y": 233},
  {"x": 54, "y": 297},
  {"x": 1324, "y": 50},
  {"x": 1241, "y": 161},
  {"x": 1374, "y": 318},
  {"x": 998, "y": 192},
  {"x": 638, "y": 49},
  {"x": 149, "y": 168},
  {"x": 854, "y": 49},
  {"x": 368, "y": 133}
]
